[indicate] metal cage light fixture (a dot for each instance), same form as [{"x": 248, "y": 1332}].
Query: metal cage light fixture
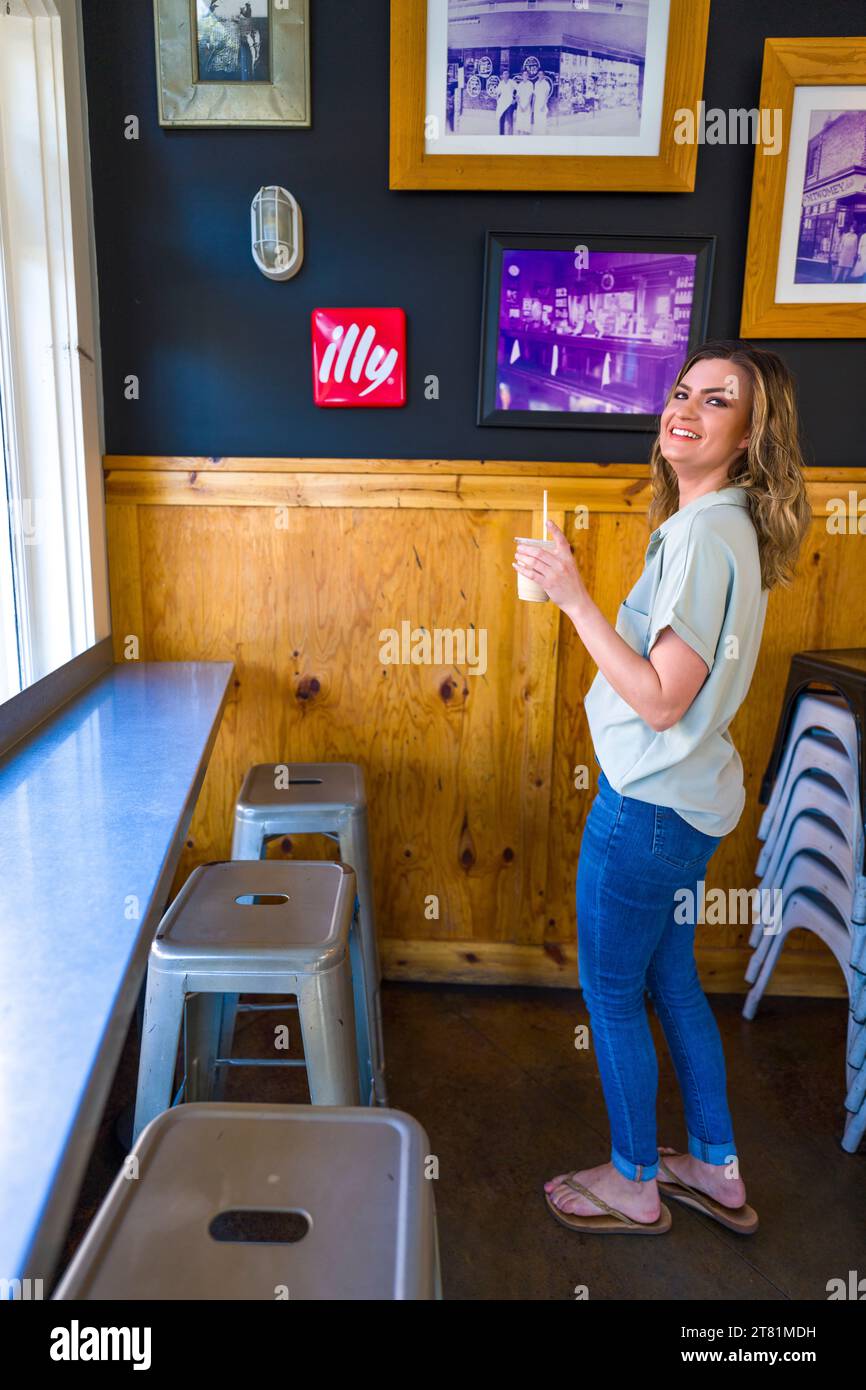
[{"x": 277, "y": 233}]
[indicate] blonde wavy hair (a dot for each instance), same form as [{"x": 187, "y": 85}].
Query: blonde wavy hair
[{"x": 770, "y": 469}]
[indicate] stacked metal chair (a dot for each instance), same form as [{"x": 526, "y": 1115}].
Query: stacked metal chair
[{"x": 814, "y": 848}]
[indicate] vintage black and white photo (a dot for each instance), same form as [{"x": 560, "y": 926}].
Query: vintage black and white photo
[
  {"x": 553, "y": 78},
  {"x": 233, "y": 40}
]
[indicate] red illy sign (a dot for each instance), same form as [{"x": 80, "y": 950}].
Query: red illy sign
[{"x": 359, "y": 356}]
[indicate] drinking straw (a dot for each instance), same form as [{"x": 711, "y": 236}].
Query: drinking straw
[{"x": 544, "y": 519}]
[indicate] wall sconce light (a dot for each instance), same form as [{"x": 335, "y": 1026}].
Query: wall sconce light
[{"x": 277, "y": 233}]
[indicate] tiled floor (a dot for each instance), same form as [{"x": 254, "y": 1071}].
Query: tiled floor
[{"x": 507, "y": 1101}]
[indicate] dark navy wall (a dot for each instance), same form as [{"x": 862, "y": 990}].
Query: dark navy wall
[{"x": 223, "y": 355}]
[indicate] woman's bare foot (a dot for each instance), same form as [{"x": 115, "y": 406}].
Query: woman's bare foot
[
  {"x": 639, "y": 1200},
  {"x": 710, "y": 1178}
]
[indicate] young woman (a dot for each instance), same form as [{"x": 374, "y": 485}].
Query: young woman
[{"x": 729, "y": 512}]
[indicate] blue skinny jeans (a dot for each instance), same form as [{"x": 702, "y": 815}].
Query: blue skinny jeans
[{"x": 634, "y": 856}]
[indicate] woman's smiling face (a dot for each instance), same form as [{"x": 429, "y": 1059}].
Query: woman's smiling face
[{"x": 705, "y": 424}]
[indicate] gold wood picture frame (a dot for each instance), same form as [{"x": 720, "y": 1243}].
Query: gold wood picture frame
[
  {"x": 807, "y": 223},
  {"x": 670, "y": 170},
  {"x": 232, "y": 62}
]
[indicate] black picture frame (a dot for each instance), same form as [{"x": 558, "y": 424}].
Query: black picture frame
[{"x": 638, "y": 372}]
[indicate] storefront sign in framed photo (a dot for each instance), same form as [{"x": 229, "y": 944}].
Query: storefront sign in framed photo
[
  {"x": 232, "y": 62},
  {"x": 806, "y": 257},
  {"x": 486, "y": 94},
  {"x": 583, "y": 331}
]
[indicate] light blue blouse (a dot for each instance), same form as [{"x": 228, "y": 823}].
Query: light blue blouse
[{"x": 702, "y": 577}]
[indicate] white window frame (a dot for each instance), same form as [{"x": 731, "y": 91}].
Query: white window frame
[
  {"x": 9, "y": 661},
  {"x": 50, "y": 374}
]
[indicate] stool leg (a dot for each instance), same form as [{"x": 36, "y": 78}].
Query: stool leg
[
  {"x": 139, "y": 1011},
  {"x": 355, "y": 850},
  {"x": 855, "y": 1097},
  {"x": 228, "y": 1011},
  {"x": 855, "y": 1125},
  {"x": 163, "y": 1012},
  {"x": 437, "y": 1264},
  {"x": 248, "y": 842},
  {"x": 758, "y": 956},
  {"x": 753, "y": 998},
  {"x": 327, "y": 1019},
  {"x": 203, "y": 1025},
  {"x": 247, "y": 839},
  {"x": 363, "y": 1038}
]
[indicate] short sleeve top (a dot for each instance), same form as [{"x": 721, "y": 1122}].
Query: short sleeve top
[{"x": 701, "y": 577}]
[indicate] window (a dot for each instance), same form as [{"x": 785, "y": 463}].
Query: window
[
  {"x": 53, "y": 585},
  {"x": 10, "y": 669}
]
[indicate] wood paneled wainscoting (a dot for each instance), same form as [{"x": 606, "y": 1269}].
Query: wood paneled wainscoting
[{"x": 370, "y": 608}]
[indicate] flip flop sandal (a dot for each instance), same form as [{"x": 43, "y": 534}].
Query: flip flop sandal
[
  {"x": 743, "y": 1220},
  {"x": 616, "y": 1223}
]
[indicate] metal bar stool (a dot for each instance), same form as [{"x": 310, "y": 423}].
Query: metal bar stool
[
  {"x": 266, "y": 1202},
  {"x": 266, "y": 928},
  {"x": 326, "y": 798}
]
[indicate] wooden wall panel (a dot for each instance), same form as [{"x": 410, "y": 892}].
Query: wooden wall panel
[
  {"x": 456, "y": 763},
  {"x": 293, "y": 570}
]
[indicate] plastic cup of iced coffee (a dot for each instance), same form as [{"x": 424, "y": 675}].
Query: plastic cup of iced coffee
[{"x": 527, "y": 588}]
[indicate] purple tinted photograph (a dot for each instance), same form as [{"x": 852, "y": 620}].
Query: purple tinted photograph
[
  {"x": 588, "y": 330},
  {"x": 831, "y": 247}
]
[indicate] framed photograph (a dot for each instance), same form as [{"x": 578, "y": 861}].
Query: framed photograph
[
  {"x": 806, "y": 257},
  {"x": 487, "y": 94},
  {"x": 232, "y": 62},
  {"x": 583, "y": 331}
]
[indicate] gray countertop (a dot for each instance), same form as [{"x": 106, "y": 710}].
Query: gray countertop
[{"x": 94, "y": 809}]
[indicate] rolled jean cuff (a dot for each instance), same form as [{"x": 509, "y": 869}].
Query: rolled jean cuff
[
  {"x": 643, "y": 1172},
  {"x": 720, "y": 1154}
]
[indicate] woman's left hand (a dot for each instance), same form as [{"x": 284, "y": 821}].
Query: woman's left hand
[{"x": 555, "y": 570}]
